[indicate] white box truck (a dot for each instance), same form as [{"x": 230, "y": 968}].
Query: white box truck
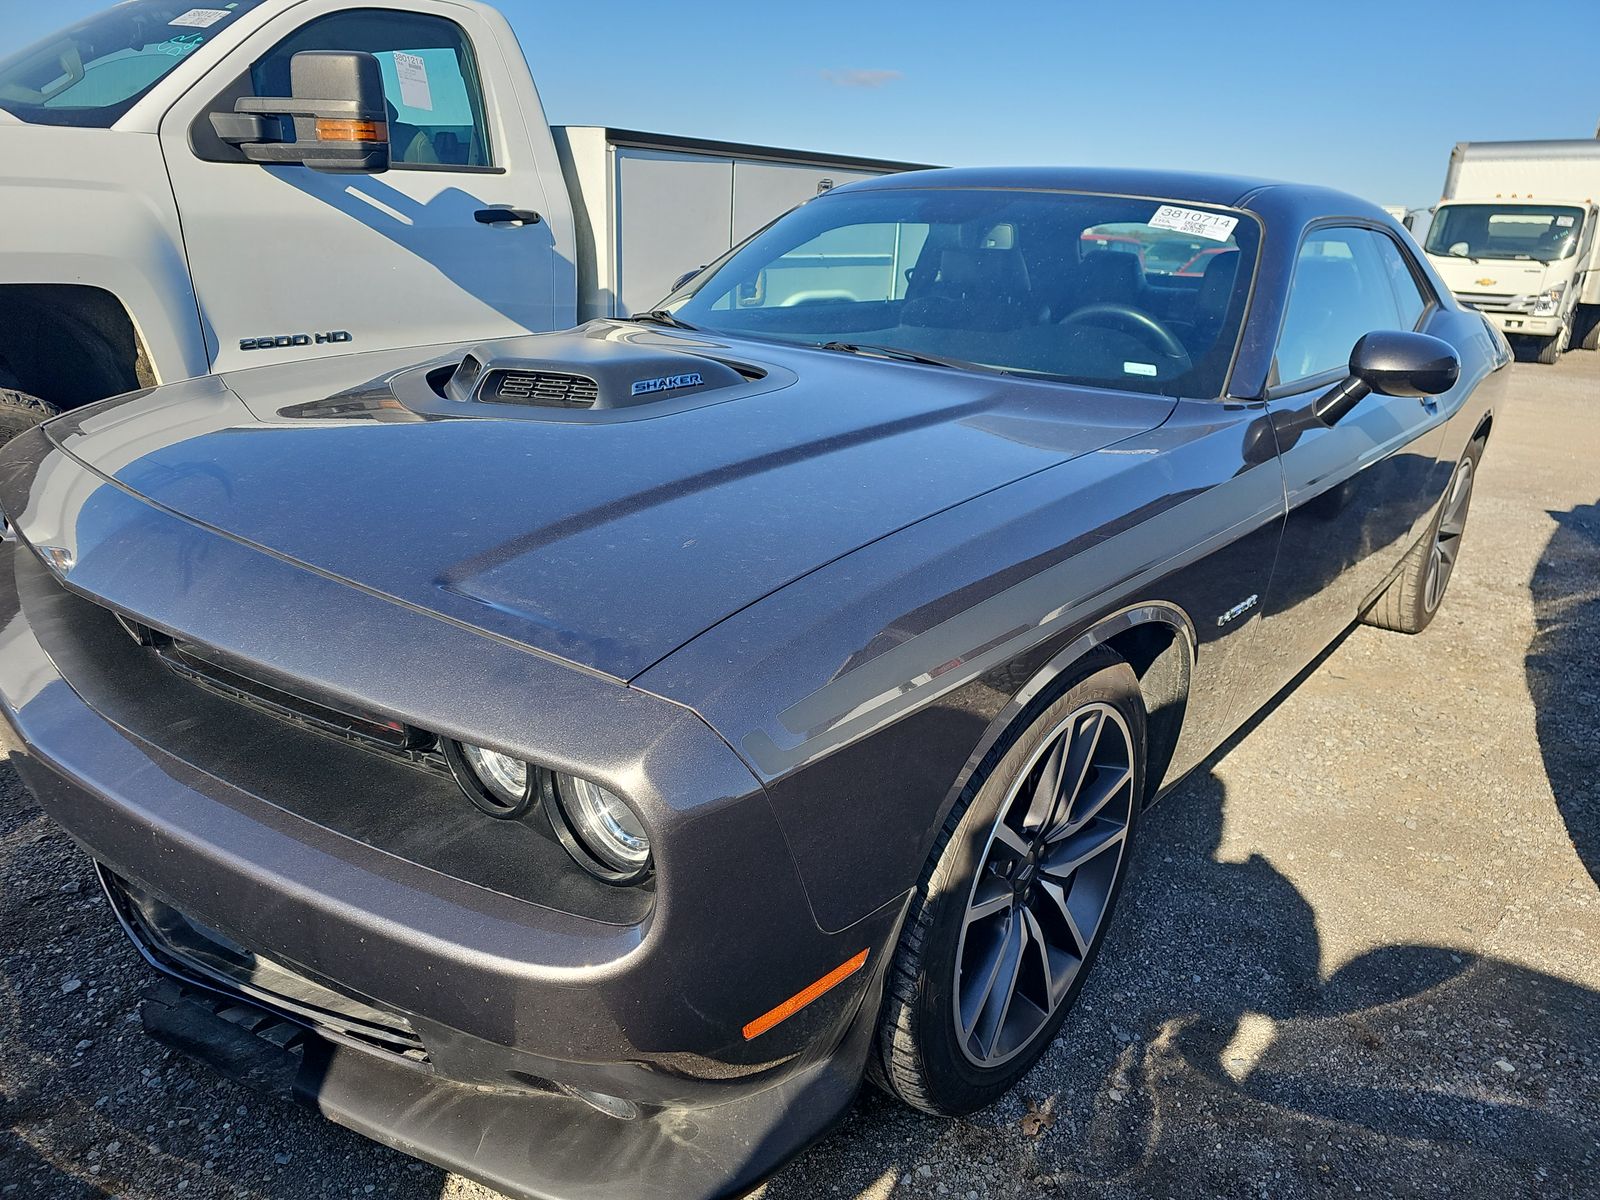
[
  {"x": 199, "y": 187},
  {"x": 1514, "y": 236}
]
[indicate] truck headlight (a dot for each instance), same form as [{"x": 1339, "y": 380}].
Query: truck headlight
[
  {"x": 600, "y": 830},
  {"x": 1546, "y": 304},
  {"x": 500, "y": 785}
]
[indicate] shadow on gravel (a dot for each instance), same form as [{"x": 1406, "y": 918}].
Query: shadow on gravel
[{"x": 1562, "y": 676}]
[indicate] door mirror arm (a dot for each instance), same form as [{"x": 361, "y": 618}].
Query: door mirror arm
[{"x": 336, "y": 120}]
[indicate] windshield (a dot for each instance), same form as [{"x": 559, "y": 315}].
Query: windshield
[
  {"x": 1544, "y": 232},
  {"x": 94, "y": 72},
  {"x": 1026, "y": 282}
]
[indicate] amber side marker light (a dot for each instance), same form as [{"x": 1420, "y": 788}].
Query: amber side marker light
[
  {"x": 329, "y": 130},
  {"x": 802, "y": 998}
]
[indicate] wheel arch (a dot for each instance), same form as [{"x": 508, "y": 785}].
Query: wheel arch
[
  {"x": 1155, "y": 638},
  {"x": 1481, "y": 433},
  {"x": 70, "y": 344}
]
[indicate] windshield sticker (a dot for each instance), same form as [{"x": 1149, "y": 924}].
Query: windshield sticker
[
  {"x": 1191, "y": 221},
  {"x": 201, "y": 18},
  {"x": 413, "y": 73},
  {"x": 1129, "y": 368},
  {"x": 1564, "y": 222},
  {"x": 179, "y": 45}
]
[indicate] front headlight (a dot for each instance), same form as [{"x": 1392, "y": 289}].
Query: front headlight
[
  {"x": 1546, "y": 304},
  {"x": 500, "y": 785},
  {"x": 601, "y": 831}
]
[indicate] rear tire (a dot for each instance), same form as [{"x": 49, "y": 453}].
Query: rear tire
[
  {"x": 1586, "y": 336},
  {"x": 1025, "y": 862},
  {"x": 20, "y": 412},
  {"x": 1409, "y": 603}
]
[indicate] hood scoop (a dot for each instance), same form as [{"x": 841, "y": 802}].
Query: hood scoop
[{"x": 578, "y": 372}]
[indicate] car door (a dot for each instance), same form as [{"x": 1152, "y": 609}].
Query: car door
[
  {"x": 360, "y": 262},
  {"x": 1358, "y": 492}
]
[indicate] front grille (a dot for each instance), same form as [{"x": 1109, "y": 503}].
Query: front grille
[
  {"x": 545, "y": 388},
  {"x": 1495, "y": 301},
  {"x": 181, "y": 946},
  {"x": 209, "y": 670}
]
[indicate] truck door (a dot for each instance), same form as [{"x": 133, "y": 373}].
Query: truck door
[
  {"x": 1361, "y": 491},
  {"x": 289, "y": 262}
]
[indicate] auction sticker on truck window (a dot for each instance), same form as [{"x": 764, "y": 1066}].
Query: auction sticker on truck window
[
  {"x": 201, "y": 18},
  {"x": 412, "y": 71},
  {"x": 1194, "y": 222}
]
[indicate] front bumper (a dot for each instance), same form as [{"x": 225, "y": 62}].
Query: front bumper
[
  {"x": 1523, "y": 323},
  {"x": 516, "y": 1005}
]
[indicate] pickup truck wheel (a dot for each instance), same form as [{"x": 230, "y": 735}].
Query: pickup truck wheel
[
  {"x": 20, "y": 412},
  {"x": 1553, "y": 348},
  {"x": 1410, "y": 602},
  {"x": 1013, "y": 904}
]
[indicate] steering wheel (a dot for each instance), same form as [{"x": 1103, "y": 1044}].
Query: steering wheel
[{"x": 1135, "y": 323}]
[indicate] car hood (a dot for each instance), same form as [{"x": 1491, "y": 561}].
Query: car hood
[{"x": 606, "y": 536}]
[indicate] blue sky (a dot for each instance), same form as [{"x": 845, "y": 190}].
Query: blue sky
[{"x": 1362, "y": 95}]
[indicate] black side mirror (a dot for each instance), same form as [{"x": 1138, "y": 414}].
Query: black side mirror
[
  {"x": 336, "y": 120},
  {"x": 1392, "y": 363},
  {"x": 684, "y": 278}
]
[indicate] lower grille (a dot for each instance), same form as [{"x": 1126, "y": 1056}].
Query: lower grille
[{"x": 182, "y": 946}]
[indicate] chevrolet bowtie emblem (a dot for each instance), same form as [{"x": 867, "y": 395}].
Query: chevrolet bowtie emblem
[{"x": 1485, "y": 282}]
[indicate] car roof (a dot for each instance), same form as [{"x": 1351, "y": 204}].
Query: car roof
[{"x": 1270, "y": 198}]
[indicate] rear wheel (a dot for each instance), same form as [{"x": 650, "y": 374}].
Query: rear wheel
[
  {"x": 1586, "y": 335},
  {"x": 1015, "y": 899},
  {"x": 20, "y": 412},
  {"x": 1414, "y": 597}
]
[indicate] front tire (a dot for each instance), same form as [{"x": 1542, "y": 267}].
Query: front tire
[
  {"x": 1410, "y": 602},
  {"x": 20, "y": 412},
  {"x": 1554, "y": 347},
  {"x": 1013, "y": 904}
]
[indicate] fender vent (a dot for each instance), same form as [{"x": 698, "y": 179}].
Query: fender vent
[{"x": 542, "y": 388}]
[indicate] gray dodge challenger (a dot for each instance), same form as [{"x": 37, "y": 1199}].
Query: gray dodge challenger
[{"x": 580, "y": 760}]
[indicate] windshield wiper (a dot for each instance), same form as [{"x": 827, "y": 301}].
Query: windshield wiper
[
  {"x": 660, "y": 316},
  {"x": 899, "y": 355}
]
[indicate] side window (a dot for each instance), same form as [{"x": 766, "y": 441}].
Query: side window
[
  {"x": 1341, "y": 291},
  {"x": 1409, "y": 298},
  {"x": 429, "y": 76}
]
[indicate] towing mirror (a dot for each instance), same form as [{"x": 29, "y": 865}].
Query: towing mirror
[
  {"x": 1392, "y": 363},
  {"x": 336, "y": 119}
]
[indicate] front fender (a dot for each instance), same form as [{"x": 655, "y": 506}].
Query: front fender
[{"x": 94, "y": 208}]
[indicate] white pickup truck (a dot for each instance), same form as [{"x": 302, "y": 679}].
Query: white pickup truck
[
  {"x": 1517, "y": 236},
  {"x": 199, "y": 188}
]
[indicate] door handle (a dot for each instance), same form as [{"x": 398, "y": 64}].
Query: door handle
[{"x": 506, "y": 216}]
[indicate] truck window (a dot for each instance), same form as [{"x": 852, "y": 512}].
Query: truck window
[
  {"x": 430, "y": 77},
  {"x": 92, "y": 73}
]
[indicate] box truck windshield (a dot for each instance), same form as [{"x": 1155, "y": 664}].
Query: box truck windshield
[{"x": 1541, "y": 232}]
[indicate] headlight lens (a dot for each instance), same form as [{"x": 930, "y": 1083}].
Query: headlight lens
[
  {"x": 1545, "y": 304},
  {"x": 603, "y": 832},
  {"x": 497, "y": 783}
]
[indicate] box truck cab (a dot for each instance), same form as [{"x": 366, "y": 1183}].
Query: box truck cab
[
  {"x": 1515, "y": 237},
  {"x": 193, "y": 188}
]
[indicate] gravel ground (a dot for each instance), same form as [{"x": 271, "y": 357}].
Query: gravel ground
[{"x": 1361, "y": 953}]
